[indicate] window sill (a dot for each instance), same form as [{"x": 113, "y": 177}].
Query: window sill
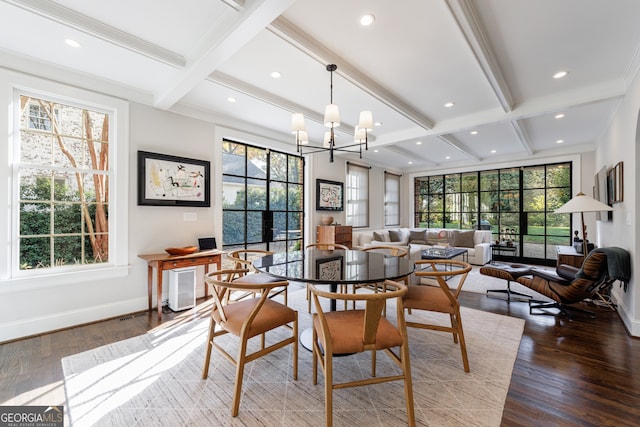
[{"x": 32, "y": 282}]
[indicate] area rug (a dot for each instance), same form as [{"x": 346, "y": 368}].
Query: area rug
[{"x": 155, "y": 379}]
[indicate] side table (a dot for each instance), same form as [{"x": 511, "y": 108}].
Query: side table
[
  {"x": 165, "y": 261},
  {"x": 498, "y": 249}
]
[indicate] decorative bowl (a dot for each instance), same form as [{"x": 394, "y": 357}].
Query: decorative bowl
[{"x": 186, "y": 250}]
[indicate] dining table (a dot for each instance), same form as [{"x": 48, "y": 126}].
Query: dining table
[{"x": 333, "y": 268}]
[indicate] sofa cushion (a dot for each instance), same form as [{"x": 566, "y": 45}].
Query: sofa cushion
[
  {"x": 439, "y": 238},
  {"x": 463, "y": 239},
  {"x": 380, "y": 237},
  {"x": 418, "y": 237},
  {"x": 395, "y": 235}
]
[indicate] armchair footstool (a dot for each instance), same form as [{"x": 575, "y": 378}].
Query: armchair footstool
[{"x": 508, "y": 272}]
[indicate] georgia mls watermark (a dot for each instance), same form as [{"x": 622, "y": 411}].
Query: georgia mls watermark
[{"x": 31, "y": 416}]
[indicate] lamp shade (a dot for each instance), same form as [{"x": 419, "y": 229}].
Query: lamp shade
[
  {"x": 303, "y": 137},
  {"x": 366, "y": 121},
  {"x": 359, "y": 135},
  {"x": 583, "y": 203},
  {"x": 327, "y": 140},
  {"x": 331, "y": 116},
  {"x": 297, "y": 122}
]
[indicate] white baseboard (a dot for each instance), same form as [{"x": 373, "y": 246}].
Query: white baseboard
[{"x": 39, "y": 325}]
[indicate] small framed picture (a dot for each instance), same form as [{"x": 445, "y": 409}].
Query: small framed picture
[
  {"x": 165, "y": 180},
  {"x": 329, "y": 195}
]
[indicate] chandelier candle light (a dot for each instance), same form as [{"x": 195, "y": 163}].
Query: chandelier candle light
[{"x": 332, "y": 121}]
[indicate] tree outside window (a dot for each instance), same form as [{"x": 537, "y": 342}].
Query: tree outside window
[{"x": 63, "y": 171}]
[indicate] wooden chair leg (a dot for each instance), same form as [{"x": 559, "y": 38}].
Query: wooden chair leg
[
  {"x": 237, "y": 388},
  {"x": 328, "y": 389},
  {"x": 207, "y": 357},
  {"x": 463, "y": 345}
]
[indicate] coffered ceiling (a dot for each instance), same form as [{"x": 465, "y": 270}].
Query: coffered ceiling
[{"x": 493, "y": 59}]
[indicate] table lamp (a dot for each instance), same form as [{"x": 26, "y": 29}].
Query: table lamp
[{"x": 582, "y": 203}]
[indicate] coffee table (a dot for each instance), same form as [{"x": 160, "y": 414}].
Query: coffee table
[{"x": 445, "y": 253}]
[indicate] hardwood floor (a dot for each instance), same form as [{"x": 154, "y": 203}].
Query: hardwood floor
[{"x": 568, "y": 372}]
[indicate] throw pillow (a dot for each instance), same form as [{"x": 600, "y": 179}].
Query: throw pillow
[
  {"x": 418, "y": 237},
  {"x": 395, "y": 235},
  {"x": 379, "y": 237},
  {"x": 438, "y": 238},
  {"x": 463, "y": 239}
]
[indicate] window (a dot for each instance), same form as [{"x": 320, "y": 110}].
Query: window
[
  {"x": 516, "y": 203},
  {"x": 391, "y": 199},
  {"x": 357, "y": 195},
  {"x": 63, "y": 186}
]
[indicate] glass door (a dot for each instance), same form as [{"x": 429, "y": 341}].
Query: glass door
[{"x": 263, "y": 194}]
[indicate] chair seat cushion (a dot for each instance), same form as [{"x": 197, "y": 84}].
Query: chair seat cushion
[
  {"x": 271, "y": 315},
  {"x": 346, "y": 329},
  {"x": 430, "y": 298}
]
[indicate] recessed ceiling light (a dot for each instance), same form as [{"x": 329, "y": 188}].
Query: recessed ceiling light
[
  {"x": 275, "y": 75},
  {"x": 410, "y": 162},
  {"x": 375, "y": 151},
  {"x": 418, "y": 142},
  {"x": 449, "y": 104},
  {"x": 559, "y": 116},
  {"x": 72, "y": 43},
  {"x": 448, "y": 157},
  {"x": 377, "y": 124},
  {"x": 231, "y": 99},
  {"x": 474, "y": 132},
  {"x": 367, "y": 20},
  {"x": 560, "y": 74},
  {"x": 560, "y": 141},
  {"x": 493, "y": 151}
]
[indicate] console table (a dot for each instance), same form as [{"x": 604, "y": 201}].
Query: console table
[{"x": 165, "y": 261}]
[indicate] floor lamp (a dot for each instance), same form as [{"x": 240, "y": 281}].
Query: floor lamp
[{"x": 582, "y": 203}]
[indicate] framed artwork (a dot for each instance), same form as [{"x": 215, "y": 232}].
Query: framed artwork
[
  {"x": 165, "y": 180},
  {"x": 329, "y": 269},
  {"x": 617, "y": 174},
  {"x": 329, "y": 195},
  {"x": 601, "y": 193}
]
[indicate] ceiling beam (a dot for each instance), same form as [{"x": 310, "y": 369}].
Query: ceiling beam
[
  {"x": 220, "y": 44},
  {"x": 72, "y": 19},
  {"x": 469, "y": 24},
  {"x": 299, "y": 39}
]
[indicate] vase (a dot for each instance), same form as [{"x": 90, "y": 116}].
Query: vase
[{"x": 326, "y": 219}]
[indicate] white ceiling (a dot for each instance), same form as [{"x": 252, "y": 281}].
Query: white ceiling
[{"x": 493, "y": 58}]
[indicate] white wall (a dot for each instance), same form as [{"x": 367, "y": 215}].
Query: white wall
[{"x": 620, "y": 143}]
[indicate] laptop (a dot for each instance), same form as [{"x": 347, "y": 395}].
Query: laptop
[{"x": 207, "y": 243}]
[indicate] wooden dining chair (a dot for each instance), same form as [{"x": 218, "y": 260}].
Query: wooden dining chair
[
  {"x": 438, "y": 297},
  {"x": 395, "y": 251},
  {"x": 325, "y": 247},
  {"x": 246, "y": 319},
  {"x": 243, "y": 259},
  {"x": 356, "y": 331}
]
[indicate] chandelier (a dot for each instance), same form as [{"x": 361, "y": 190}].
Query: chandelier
[{"x": 332, "y": 121}]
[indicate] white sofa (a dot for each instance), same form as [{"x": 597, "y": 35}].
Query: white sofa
[{"x": 477, "y": 242}]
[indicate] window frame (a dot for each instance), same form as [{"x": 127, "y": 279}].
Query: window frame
[
  {"x": 353, "y": 187},
  {"x": 118, "y": 206},
  {"x": 391, "y": 178}
]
